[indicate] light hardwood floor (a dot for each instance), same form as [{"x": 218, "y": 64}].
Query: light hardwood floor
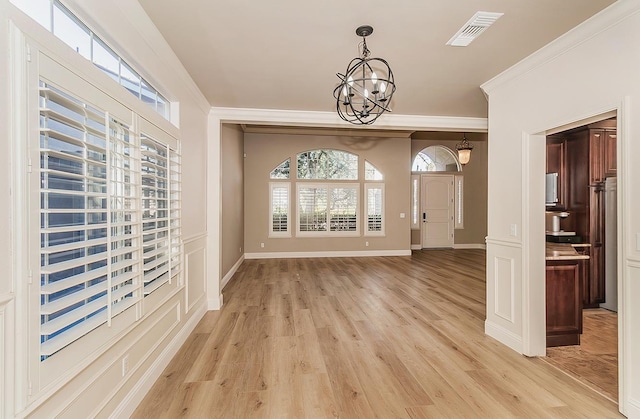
[
  {"x": 595, "y": 360},
  {"x": 393, "y": 337}
]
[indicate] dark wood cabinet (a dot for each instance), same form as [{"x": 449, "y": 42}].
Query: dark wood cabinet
[
  {"x": 556, "y": 163},
  {"x": 589, "y": 155},
  {"x": 610, "y": 162},
  {"x": 564, "y": 279}
]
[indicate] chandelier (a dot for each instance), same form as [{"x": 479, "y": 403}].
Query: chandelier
[
  {"x": 464, "y": 150},
  {"x": 366, "y": 88}
]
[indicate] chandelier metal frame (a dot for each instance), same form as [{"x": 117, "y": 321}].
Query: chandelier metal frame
[{"x": 366, "y": 88}]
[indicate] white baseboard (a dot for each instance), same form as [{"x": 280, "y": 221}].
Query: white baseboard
[
  {"x": 503, "y": 336},
  {"x": 327, "y": 254},
  {"x": 231, "y": 272},
  {"x": 129, "y": 404},
  {"x": 416, "y": 247},
  {"x": 632, "y": 409},
  {"x": 470, "y": 246}
]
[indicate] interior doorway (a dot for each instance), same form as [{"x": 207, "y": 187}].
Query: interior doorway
[
  {"x": 437, "y": 209},
  {"x": 581, "y": 212}
]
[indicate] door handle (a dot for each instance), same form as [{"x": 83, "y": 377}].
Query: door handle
[{"x": 424, "y": 217}]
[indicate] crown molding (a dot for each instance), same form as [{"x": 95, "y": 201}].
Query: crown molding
[
  {"x": 612, "y": 15},
  {"x": 332, "y": 120}
]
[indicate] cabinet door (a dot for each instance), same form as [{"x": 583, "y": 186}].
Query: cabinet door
[
  {"x": 596, "y": 156},
  {"x": 563, "y": 302},
  {"x": 610, "y": 164},
  {"x": 594, "y": 294},
  {"x": 556, "y": 163}
]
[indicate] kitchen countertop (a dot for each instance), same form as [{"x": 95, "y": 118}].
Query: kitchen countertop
[{"x": 564, "y": 251}]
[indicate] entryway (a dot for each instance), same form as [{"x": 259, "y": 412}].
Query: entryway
[{"x": 437, "y": 211}]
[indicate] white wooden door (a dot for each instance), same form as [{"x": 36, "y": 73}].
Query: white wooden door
[{"x": 437, "y": 211}]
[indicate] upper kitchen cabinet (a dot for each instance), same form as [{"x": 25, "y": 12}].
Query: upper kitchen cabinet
[
  {"x": 556, "y": 163},
  {"x": 610, "y": 163},
  {"x": 602, "y": 150}
]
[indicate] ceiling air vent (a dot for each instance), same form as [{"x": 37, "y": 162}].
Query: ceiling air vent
[{"x": 473, "y": 28}]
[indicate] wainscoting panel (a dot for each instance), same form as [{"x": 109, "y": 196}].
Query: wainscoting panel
[
  {"x": 195, "y": 270},
  {"x": 504, "y": 279},
  {"x": 504, "y": 292}
]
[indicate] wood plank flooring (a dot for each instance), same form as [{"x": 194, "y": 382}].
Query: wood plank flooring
[
  {"x": 595, "y": 360},
  {"x": 392, "y": 337}
]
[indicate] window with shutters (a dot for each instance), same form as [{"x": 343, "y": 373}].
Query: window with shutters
[
  {"x": 279, "y": 209},
  {"x": 328, "y": 209},
  {"x": 110, "y": 217},
  {"x": 374, "y": 195}
]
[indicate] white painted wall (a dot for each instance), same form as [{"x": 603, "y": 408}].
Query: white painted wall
[
  {"x": 97, "y": 387},
  {"x": 589, "y": 71}
]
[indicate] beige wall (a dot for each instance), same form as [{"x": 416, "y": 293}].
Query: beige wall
[
  {"x": 265, "y": 151},
  {"x": 475, "y": 184},
  {"x": 232, "y": 179}
]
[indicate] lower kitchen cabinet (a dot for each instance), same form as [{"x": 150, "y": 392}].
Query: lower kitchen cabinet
[{"x": 564, "y": 281}]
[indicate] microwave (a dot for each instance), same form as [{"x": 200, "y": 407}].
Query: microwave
[{"x": 551, "y": 189}]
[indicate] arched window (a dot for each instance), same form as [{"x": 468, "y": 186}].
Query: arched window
[
  {"x": 281, "y": 171},
  {"x": 436, "y": 158},
  {"x": 327, "y": 164},
  {"x": 319, "y": 203}
]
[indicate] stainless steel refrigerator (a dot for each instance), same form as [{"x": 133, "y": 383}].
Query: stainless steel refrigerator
[{"x": 610, "y": 246}]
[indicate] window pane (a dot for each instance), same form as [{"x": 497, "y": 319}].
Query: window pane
[
  {"x": 370, "y": 172},
  {"x": 435, "y": 159},
  {"x": 374, "y": 209},
  {"x": 282, "y": 171},
  {"x": 71, "y": 31},
  {"x": 312, "y": 208},
  {"x": 327, "y": 164},
  {"x": 39, "y": 10},
  {"x": 343, "y": 211},
  {"x": 280, "y": 209},
  {"x": 129, "y": 79},
  {"x": 105, "y": 59},
  {"x": 163, "y": 106},
  {"x": 148, "y": 93}
]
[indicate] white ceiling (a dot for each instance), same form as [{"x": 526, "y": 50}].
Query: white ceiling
[{"x": 284, "y": 54}]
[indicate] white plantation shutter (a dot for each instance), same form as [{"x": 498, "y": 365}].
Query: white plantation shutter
[
  {"x": 374, "y": 194},
  {"x": 155, "y": 213},
  {"x": 110, "y": 217},
  {"x": 124, "y": 187},
  {"x": 83, "y": 164},
  {"x": 328, "y": 209},
  {"x": 279, "y": 215},
  {"x": 175, "y": 212}
]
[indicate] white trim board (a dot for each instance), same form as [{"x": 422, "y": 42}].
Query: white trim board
[
  {"x": 232, "y": 271},
  {"x": 470, "y": 246},
  {"x": 503, "y": 336},
  {"x": 327, "y": 254},
  {"x": 332, "y": 120},
  {"x": 131, "y": 401}
]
